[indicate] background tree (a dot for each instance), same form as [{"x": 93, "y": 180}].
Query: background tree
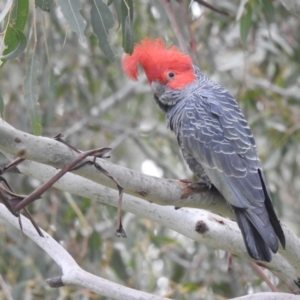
[{"x": 61, "y": 72}]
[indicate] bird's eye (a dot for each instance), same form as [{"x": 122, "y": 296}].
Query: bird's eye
[{"x": 171, "y": 75}]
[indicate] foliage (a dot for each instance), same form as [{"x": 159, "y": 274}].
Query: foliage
[{"x": 61, "y": 73}]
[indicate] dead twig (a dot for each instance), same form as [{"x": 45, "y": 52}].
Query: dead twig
[
  {"x": 264, "y": 277},
  {"x": 15, "y": 202},
  {"x": 6, "y": 192},
  {"x": 99, "y": 152}
]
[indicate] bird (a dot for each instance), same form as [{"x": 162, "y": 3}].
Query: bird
[{"x": 214, "y": 137}]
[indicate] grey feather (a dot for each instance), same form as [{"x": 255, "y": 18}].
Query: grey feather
[{"x": 219, "y": 147}]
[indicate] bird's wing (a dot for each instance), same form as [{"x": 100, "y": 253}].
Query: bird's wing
[{"x": 216, "y": 134}]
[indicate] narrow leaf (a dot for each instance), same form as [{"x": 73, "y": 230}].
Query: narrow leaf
[
  {"x": 127, "y": 30},
  {"x": 14, "y": 39},
  {"x": 128, "y": 38},
  {"x": 19, "y": 14},
  {"x": 102, "y": 20},
  {"x": 44, "y": 5},
  {"x": 127, "y": 9},
  {"x": 245, "y": 24},
  {"x": 18, "y": 36},
  {"x": 1, "y": 105},
  {"x": 31, "y": 95},
  {"x": 117, "y": 5},
  {"x": 70, "y": 9},
  {"x": 268, "y": 10}
]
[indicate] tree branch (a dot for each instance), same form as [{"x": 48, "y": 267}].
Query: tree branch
[
  {"x": 160, "y": 191},
  {"x": 72, "y": 274},
  {"x": 268, "y": 296},
  {"x": 199, "y": 225}
]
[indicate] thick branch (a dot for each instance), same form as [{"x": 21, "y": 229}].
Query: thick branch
[
  {"x": 268, "y": 296},
  {"x": 222, "y": 234},
  {"x": 72, "y": 274},
  {"x": 157, "y": 190},
  {"x": 212, "y": 230}
]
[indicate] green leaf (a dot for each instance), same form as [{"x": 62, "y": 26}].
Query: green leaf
[
  {"x": 14, "y": 39},
  {"x": 14, "y": 35},
  {"x": 70, "y": 9},
  {"x": 31, "y": 95},
  {"x": 127, "y": 30},
  {"x": 19, "y": 14},
  {"x": 128, "y": 38},
  {"x": 245, "y": 24},
  {"x": 94, "y": 243},
  {"x": 118, "y": 265},
  {"x": 117, "y": 5},
  {"x": 102, "y": 20},
  {"x": 127, "y": 7},
  {"x": 268, "y": 10},
  {"x": 1, "y": 105},
  {"x": 44, "y": 5}
]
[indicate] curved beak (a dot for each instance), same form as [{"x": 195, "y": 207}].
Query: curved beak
[{"x": 158, "y": 88}]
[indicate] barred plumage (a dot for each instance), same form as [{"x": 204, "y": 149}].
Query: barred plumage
[
  {"x": 218, "y": 146},
  {"x": 215, "y": 140}
]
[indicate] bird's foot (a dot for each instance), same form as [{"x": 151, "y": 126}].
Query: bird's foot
[{"x": 190, "y": 187}]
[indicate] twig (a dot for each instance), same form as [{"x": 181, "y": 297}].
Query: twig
[
  {"x": 222, "y": 234},
  {"x": 72, "y": 274},
  {"x": 264, "y": 277},
  {"x": 290, "y": 92},
  {"x": 74, "y": 165},
  {"x": 150, "y": 155},
  {"x": 5, "y": 289},
  {"x": 222, "y": 12},
  {"x": 11, "y": 203},
  {"x": 120, "y": 231},
  {"x": 175, "y": 26},
  {"x": 11, "y": 165},
  {"x": 39, "y": 191},
  {"x": 122, "y": 95},
  {"x": 193, "y": 43}
]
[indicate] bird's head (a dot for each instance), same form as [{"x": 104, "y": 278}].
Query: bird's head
[{"x": 164, "y": 67}]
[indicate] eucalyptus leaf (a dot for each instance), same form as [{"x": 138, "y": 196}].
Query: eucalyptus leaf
[
  {"x": 14, "y": 38},
  {"x": 127, "y": 30},
  {"x": 1, "y": 105},
  {"x": 245, "y": 24},
  {"x": 127, "y": 7},
  {"x": 268, "y": 10},
  {"x": 117, "y": 5},
  {"x": 71, "y": 11},
  {"x": 128, "y": 38},
  {"x": 102, "y": 20},
  {"x": 19, "y": 47},
  {"x": 19, "y": 14},
  {"x": 31, "y": 95},
  {"x": 44, "y": 5}
]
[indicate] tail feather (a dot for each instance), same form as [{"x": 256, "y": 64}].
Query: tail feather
[
  {"x": 255, "y": 243},
  {"x": 259, "y": 218},
  {"x": 260, "y": 227},
  {"x": 272, "y": 215}
]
